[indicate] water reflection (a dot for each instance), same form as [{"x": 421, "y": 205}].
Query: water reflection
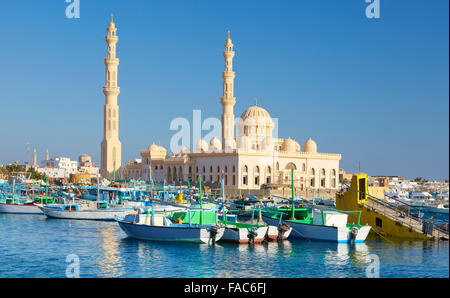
[{"x": 110, "y": 262}]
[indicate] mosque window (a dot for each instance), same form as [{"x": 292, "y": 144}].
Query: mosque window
[
  {"x": 268, "y": 175},
  {"x": 304, "y": 167},
  {"x": 196, "y": 169},
  {"x": 218, "y": 169},
  {"x": 190, "y": 170},
  {"x": 333, "y": 178},
  {"x": 204, "y": 169},
  {"x": 210, "y": 169},
  {"x": 322, "y": 178},
  {"x": 226, "y": 179},
  {"x": 226, "y": 169},
  {"x": 256, "y": 175},
  {"x": 234, "y": 169},
  {"x": 210, "y": 178},
  {"x": 245, "y": 175}
]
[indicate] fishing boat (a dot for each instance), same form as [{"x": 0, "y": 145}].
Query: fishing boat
[
  {"x": 158, "y": 227},
  {"x": 323, "y": 225},
  {"x": 82, "y": 212},
  {"x": 197, "y": 226},
  {"x": 18, "y": 206},
  {"x": 240, "y": 232},
  {"x": 14, "y": 203},
  {"x": 107, "y": 207}
]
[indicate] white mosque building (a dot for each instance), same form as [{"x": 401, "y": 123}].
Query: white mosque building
[{"x": 254, "y": 158}]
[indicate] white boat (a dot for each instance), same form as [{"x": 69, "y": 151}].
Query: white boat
[
  {"x": 26, "y": 208},
  {"x": 74, "y": 211},
  {"x": 158, "y": 227},
  {"x": 441, "y": 209}
]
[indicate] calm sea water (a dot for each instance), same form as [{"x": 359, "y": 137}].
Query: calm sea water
[{"x": 34, "y": 246}]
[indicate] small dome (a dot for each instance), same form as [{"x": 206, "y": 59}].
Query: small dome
[
  {"x": 185, "y": 149},
  {"x": 215, "y": 144},
  {"x": 289, "y": 145},
  {"x": 153, "y": 148},
  {"x": 202, "y": 146},
  {"x": 310, "y": 146},
  {"x": 156, "y": 150}
]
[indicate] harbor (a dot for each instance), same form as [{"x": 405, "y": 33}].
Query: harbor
[
  {"x": 152, "y": 226},
  {"x": 254, "y": 141}
]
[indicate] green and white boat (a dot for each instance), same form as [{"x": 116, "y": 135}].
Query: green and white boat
[{"x": 323, "y": 225}]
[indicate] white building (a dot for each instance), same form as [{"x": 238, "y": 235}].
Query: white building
[
  {"x": 253, "y": 158},
  {"x": 58, "y": 167}
]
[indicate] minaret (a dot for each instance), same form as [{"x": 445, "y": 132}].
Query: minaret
[
  {"x": 111, "y": 155},
  {"x": 47, "y": 156},
  {"x": 228, "y": 100},
  {"x": 34, "y": 157}
]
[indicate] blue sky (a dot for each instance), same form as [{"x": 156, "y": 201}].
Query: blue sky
[{"x": 375, "y": 90}]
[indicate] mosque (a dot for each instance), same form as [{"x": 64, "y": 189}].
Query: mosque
[{"x": 252, "y": 159}]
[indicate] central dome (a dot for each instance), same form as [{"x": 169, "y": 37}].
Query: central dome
[{"x": 255, "y": 113}]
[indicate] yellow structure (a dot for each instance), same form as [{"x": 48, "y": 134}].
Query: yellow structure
[
  {"x": 377, "y": 191},
  {"x": 111, "y": 148},
  {"x": 355, "y": 199}
]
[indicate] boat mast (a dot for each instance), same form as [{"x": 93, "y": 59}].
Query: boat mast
[
  {"x": 293, "y": 193},
  {"x": 224, "y": 212},
  {"x": 98, "y": 188},
  {"x": 200, "y": 192}
]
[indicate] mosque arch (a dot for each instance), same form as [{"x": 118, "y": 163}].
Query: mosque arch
[{"x": 290, "y": 166}]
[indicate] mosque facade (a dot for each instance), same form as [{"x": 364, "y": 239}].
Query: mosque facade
[{"x": 251, "y": 160}]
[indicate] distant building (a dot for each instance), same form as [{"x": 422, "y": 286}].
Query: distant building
[
  {"x": 344, "y": 176},
  {"x": 87, "y": 167},
  {"x": 58, "y": 167}
]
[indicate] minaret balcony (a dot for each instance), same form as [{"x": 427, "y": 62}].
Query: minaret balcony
[
  {"x": 110, "y": 38},
  {"x": 112, "y": 61},
  {"x": 110, "y": 90}
]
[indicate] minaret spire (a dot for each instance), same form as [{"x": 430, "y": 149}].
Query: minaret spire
[
  {"x": 228, "y": 101},
  {"x": 111, "y": 148}
]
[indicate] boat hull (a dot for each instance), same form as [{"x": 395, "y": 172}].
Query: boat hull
[
  {"x": 272, "y": 233},
  {"x": 240, "y": 235},
  {"x": 20, "y": 209},
  {"x": 171, "y": 234},
  {"x": 321, "y": 232},
  {"x": 107, "y": 215},
  {"x": 436, "y": 210}
]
